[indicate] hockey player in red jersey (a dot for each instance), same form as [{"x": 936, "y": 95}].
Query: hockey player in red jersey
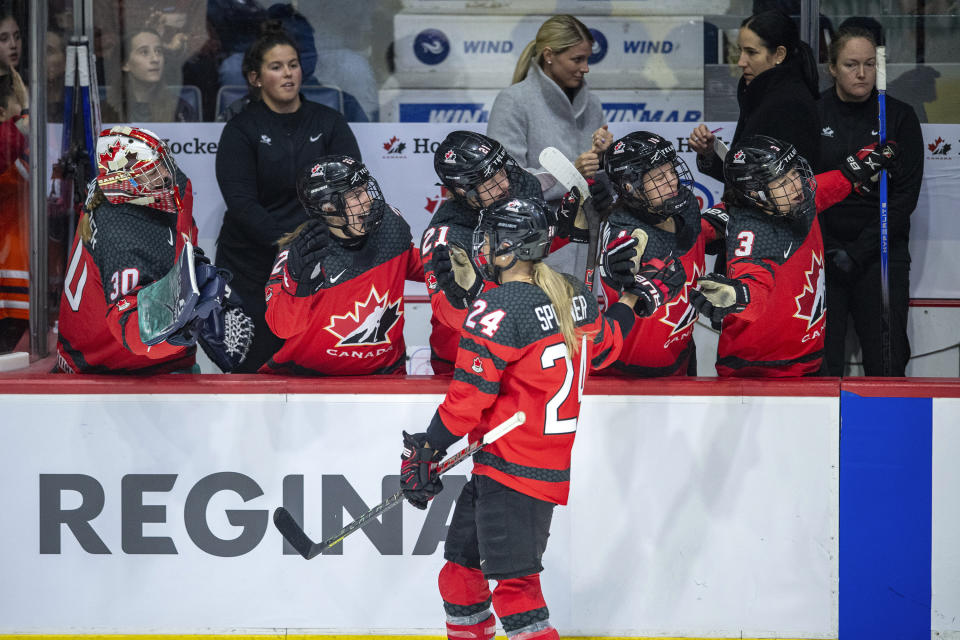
[
  {"x": 475, "y": 171},
  {"x": 771, "y": 301},
  {"x": 526, "y": 345},
  {"x": 134, "y": 229},
  {"x": 656, "y": 205},
  {"x": 336, "y": 290}
]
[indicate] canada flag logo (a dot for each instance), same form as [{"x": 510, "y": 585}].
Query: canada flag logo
[
  {"x": 369, "y": 323},
  {"x": 680, "y": 314},
  {"x": 812, "y": 301}
]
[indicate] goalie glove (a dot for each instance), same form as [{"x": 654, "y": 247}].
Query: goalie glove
[
  {"x": 863, "y": 168},
  {"x": 568, "y": 212},
  {"x": 718, "y": 296},
  {"x": 419, "y": 479},
  {"x": 212, "y": 284},
  {"x": 305, "y": 254},
  {"x": 226, "y": 335},
  {"x": 456, "y": 275}
]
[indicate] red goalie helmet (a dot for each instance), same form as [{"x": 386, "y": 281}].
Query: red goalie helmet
[{"x": 136, "y": 167}]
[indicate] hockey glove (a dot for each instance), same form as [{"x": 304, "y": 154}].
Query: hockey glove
[
  {"x": 602, "y": 196},
  {"x": 456, "y": 275},
  {"x": 863, "y": 168},
  {"x": 305, "y": 257},
  {"x": 567, "y": 214},
  {"x": 419, "y": 479},
  {"x": 226, "y": 335},
  {"x": 212, "y": 284},
  {"x": 619, "y": 262},
  {"x": 655, "y": 283},
  {"x": 718, "y": 219},
  {"x": 718, "y": 296}
]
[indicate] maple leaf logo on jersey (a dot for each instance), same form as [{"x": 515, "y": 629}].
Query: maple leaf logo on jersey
[
  {"x": 812, "y": 303},
  {"x": 477, "y": 365},
  {"x": 434, "y": 203},
  {"x": 680, "y": 314},
  {"x": 369, "y": 323},
  {"x": 431, "y": 281}
]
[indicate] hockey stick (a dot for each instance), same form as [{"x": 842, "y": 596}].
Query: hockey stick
[
  {"x": 566, "y": 174},
  {"x": 886, "y": 357},
  {"x": 293, "y": 533}
]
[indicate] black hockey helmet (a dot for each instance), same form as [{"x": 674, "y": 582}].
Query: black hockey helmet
[
  {"x": 771, "y": 175},
  {"x": 467, "y": 164},
  {"x": 648, "y": 176},
  {"x": 341, "y": 190},
  {"x": 523, "y": 227}
]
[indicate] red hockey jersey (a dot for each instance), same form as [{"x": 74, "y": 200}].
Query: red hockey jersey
[
  {"x": 131, "y": 246},
  {"x": 780, "y": 333},
  {"x": 662, "y": 344},
  {"x": 353, "y": 325},
  {"x": 512, "y": 357}
]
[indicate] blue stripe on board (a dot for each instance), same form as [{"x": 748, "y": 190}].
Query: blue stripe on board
[{"x": 886, "y": 462}]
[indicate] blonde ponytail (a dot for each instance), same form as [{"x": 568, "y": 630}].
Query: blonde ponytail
[
  {"x": 523, "y": 64},
  {"x": 560, "y": 292},
  {"x": 287, "y": 238},
  {"x": 558, "y": 33}
]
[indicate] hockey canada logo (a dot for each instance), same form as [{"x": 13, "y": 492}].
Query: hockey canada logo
[
  {"x": 619, "y": 147},
  {"x": 827, "y": 132},
  {"x": 477, "y": 365},
  {"x": 394, "y": 148},
  {"x": 738, "y": 158},
  {"x": 449, "y": 157},
  {"x": 939, "y": 148},
  {"x": 812, "y": 303},
  {"x": 431, "y": 281},
  {"x": 369, "y": 323},
  {"x": 680, "y": 314},
  {"x": 513, "y": 206}
]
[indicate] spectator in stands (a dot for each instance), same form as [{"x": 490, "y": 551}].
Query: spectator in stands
[
  {"x": 233, "y": 70},
  {"x": 14, "y": 211},
  {"x": 549, "y": 104},
  {"x": 56, "y": 59},
  {"x": 779, "y": 78},
  {"x": 851, "y": 229},
  {"x": 143, "y": 95},
  {"x": 260, "y": 152},
  {"x": 11, "y": 47}
]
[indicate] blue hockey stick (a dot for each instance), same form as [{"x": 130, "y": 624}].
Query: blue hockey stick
[{"x": 885, "y": 348}]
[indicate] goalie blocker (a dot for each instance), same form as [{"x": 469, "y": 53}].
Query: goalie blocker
[{"x": 193, "y": 303}]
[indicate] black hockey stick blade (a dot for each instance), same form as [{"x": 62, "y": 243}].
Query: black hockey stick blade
[{"x": 293, "y": 533}]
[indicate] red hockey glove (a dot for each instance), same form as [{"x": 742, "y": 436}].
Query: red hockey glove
[
  {"x": 419, "y": 479},
  {"x": 863, "y": 168},
  {"x": 718, "y": 295},
  {"x": 657, "y": 282}
]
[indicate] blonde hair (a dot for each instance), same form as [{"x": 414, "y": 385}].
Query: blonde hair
[
  {"x": 558, "y": 33},
  {"x": 560, "y": 292},
  {"x": 85, "y": 224},
  {"x": 287, "y": 238}
]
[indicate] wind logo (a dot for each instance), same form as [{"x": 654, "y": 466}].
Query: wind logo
[
  {"x": 648, "y": 46},
  {"x": 638, "y": 112},
  {"x": 487, "y": 46},
  {"x": 465, "y": 112},
  {"x": 599, "y": 50},
  {"x": 431, "y": 46}
]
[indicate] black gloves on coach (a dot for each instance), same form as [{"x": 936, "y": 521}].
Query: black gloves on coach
[
  {"x": 863, "y": 168},
  {"x": 304, "y": 257},
  {"x": 419, "y": 479},
  {"x": 456, "y": 275},
  {"x": 718, "y": 296}
]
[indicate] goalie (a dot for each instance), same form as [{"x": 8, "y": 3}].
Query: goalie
[{"x": 137, "y": 296}]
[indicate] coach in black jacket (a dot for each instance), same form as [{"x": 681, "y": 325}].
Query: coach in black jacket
[
  {"x": 851, "y": 229},
  {"x": 261, "y": 151}
]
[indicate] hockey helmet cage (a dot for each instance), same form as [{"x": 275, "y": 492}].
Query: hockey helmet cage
[
  {"x": 341, "y": 190},
  {"x": 648, "y": 176},
  {"x": 523, "y": 227},
  {"x": 136, "y": 167},
  {"x": 466, "y": 162},
  {"x": 771, "y": 175}
]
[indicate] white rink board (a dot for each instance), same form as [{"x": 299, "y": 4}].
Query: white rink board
[
  {"x": 689, "y": 515},
  {"x": 945, "y": 550},
  {"x": 447, "y": 51}
]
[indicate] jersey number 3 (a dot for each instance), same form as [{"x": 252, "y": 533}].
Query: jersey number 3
[{"x": 551, "y": 356}]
